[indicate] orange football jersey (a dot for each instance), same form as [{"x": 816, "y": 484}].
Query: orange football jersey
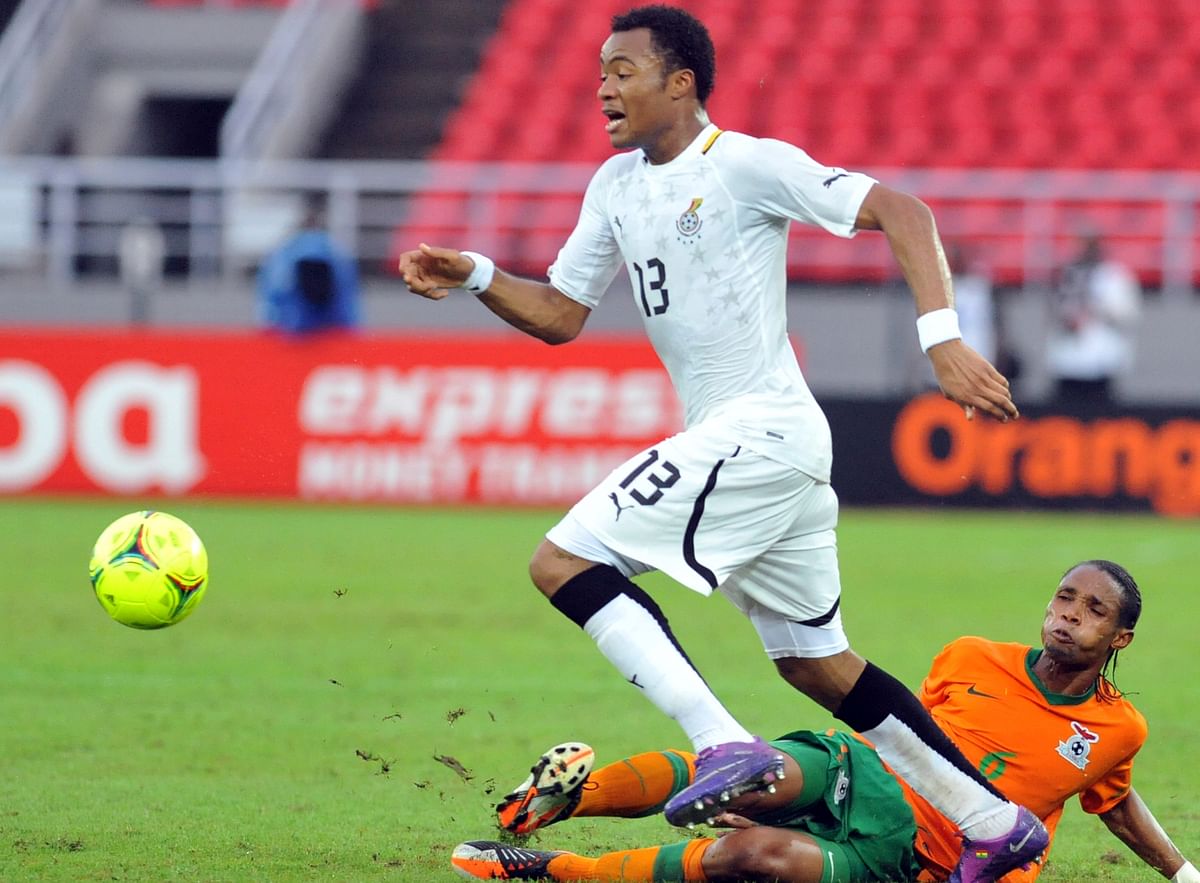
[{"x": 1039, "y": 748}]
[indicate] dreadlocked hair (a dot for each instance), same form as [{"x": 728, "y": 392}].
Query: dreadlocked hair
[{"x": 1128, "y": 613}]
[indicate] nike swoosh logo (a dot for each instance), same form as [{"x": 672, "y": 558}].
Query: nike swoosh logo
[
  {"x": 1017, "y": 847},
  {"x": 971, "y": 691}
]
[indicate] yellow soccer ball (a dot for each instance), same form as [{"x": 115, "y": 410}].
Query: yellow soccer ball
[{"x": 149, "y": 570}]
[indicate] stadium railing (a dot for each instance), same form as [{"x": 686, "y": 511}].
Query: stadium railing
[
  {"x": 32, "y": 47},
  {"x": 65, "y": 215},
  {"x": 297, "y": 82}
]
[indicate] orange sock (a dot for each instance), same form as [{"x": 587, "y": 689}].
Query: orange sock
[
  {"x": 681, "y": 861},
  {"x": 636, "y": 786},
  {"x": 693, "y": 858},
  {"x": 569, "y": 866}
]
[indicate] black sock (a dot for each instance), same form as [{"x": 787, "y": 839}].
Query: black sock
[
  {"x": 583, "y": 595},
  {"x": 877, "y": 695}
]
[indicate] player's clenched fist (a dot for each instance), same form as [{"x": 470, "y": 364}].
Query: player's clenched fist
[{"x": 431, "y": 272}]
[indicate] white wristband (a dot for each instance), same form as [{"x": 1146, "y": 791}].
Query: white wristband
[
  {"x": 1186, "y": 874},
  {"x": 481, "y": 277},
  {"x": 937, "y": 326}
]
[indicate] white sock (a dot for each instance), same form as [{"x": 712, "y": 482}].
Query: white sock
[
  {"x": 634, "y": 641},
  {"x": 979, "y": 814}
]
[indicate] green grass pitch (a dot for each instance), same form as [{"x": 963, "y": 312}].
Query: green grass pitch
[{"x": 291, "y": 728}]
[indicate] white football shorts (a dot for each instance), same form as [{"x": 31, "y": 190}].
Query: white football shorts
[{"x": 718, "y": 516}]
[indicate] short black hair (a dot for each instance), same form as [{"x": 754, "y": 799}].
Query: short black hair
[
  {"x": 680, "y": 38},
  {"x": 1128, "y": 614}
]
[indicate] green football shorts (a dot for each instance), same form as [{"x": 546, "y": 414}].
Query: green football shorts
[{"x": 852, "y": 807}]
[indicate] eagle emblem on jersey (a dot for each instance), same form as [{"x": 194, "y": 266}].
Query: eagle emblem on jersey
[
  {"x": 1079, "y": 745},
  {"x": 689, "y": 222}
]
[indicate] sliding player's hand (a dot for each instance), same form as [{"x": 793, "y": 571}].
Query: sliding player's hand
[
  {"x": 968, "y": 379},
  {"x": 431, "y": 272}
]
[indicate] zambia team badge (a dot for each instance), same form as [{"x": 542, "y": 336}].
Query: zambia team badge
[
  {"x": 1077, "y": 748},
  {"x": 841, "y": 786},
  {"x": 689, "y": 222}
]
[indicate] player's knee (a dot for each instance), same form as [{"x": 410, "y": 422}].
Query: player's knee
[
  {"x": 826, "y": 680},
  {"x": 542, "y": 570},
  {"x": 551, "y": 567},
  {"x": 763, "y": 854}
]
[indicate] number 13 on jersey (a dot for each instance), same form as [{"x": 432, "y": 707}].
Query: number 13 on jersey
[{"x": 655, "y": 298}]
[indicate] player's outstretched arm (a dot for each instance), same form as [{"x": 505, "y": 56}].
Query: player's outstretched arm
[
  {"x": 536, "y": 308},
  {"x": 964, "y": 376},
  {"x": 1133, "y": 823}
]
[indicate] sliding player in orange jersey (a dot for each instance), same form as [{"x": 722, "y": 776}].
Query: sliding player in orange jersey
[{"x": 1042, "y": 725}]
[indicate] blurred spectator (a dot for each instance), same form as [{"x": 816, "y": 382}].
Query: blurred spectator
[
  {"x": 973, "y": 301},
  {"x": 141, "y": 248},
  {"x": 977, "y": 318},
  {"x": 309, "y": 283},
  {"x": 1097, "y": 302}
]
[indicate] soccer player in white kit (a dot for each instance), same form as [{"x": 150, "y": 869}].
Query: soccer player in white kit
[{"x": 740, "y": 501}]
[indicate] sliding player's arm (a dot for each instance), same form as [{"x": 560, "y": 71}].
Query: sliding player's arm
[{"x": 1135, "y": 826}]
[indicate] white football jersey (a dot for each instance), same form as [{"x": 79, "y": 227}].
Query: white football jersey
[{"x": 704, "y": 239}]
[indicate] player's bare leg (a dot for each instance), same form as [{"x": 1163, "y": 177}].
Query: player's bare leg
[
  {"x": 752, "y": 854},
  {"x": 635, "y": 787},
  {"x": 762, "y": 853}
]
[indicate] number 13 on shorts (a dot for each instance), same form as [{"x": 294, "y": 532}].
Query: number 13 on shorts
[
  {"x": 696, "y": 506},
  {"x": 664, "y": 475}
]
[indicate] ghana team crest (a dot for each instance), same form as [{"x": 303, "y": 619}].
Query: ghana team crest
[
  {"x": 689, "y": 223},
  {"x": 1078, "y": 746}
]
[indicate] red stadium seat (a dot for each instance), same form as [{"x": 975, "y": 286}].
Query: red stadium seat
[
  {"x": 1021, "y": 32},
  {"x": 961, "y": 33},
  {"x": 1034, "y": 147}
]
